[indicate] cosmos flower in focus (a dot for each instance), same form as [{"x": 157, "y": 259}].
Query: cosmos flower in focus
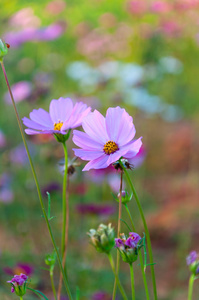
[
  {"x": 62, "y": 116},
  {"x": 107, "y": 139}
]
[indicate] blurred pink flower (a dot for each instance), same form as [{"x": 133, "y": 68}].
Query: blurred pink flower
[
  {"x": 171, "y": 28},
  {"x": 31, "y": 34},
  {"x": 55, "y": 7},
  {"x": 21, "y": 91},
  {"x": 137, "y": 7},
  {"x": 6, "y": 194},
  {"x": 95, "y": 209},
  {"x": 184, "y": 5},
  {"x": 19, "y": 268},
  {"x": 160, "y": 7},
  {"x": 25, "y": 18},
  {"x": 2, "y": 140}
]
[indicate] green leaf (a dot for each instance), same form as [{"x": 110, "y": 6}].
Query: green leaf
[{"x": 38, "y": 293}]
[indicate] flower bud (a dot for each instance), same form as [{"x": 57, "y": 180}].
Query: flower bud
[
  {"x": 129, "y": 246},
  {"x": 103, "y": 238},
  {"x": 18, "y": 283},
  {"x": 50, "y": 259},
  {"x": 3, "y": 49},
  {"x": 125, "y": 197},
  {"x": 193, "y": 262}
]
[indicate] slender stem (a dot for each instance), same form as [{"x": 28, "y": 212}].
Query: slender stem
[
  {"x": 117, "y": 278},
  {"x": 146, "y": 231},
  {"x": 21, "y": 298},
  {"x": 66, "y": 239},
  {"x": 140, "y": 256},
  {"x": 37, "y": 183},
  {"x": 64, "y": 199},
  {"x": 191, "y": 281},
  {"x": 52, "y": 284},
  {"x": 132, "y": 281},
  {"x": 118, "y": 234}
]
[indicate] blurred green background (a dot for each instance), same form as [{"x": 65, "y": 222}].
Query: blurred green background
[{"x": 140, "y": 55}]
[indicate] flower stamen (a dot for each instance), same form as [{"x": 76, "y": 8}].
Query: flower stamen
[
  {"x": 110, "y": 147},
  {"x": 58, "y": 126}
]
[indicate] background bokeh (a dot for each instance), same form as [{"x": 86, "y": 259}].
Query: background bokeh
[{"x": 142, "y": 55}]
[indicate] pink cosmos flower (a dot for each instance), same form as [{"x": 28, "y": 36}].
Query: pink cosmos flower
[
  {"x": 62, "y": 116},
  {"x": 160, "y": 7},
  {"x": 106, "y": 139}
]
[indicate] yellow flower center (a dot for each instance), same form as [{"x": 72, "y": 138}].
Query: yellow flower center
[
  {"x": 58, "y": 126},
  {"x": 110, "y": 147}
]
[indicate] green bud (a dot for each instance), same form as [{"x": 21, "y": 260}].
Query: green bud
[
  {"x": 50, "y": 260},
  {"x": 103, "y": 239},
  {"x": 3, "y": 49},
  {"x": 20, "y": 290},
  {"x": 125, "y": 197}
]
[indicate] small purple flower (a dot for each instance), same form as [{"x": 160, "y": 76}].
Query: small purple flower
[
  {"x": 119, "y": 244},
  {"x": 18, "y": 283},
  {"x": 62, "y": 116},
  {"x": 106, "y": 139},
  {"x": 135, "y": 237},
  {"x": 191, "y": 258}
]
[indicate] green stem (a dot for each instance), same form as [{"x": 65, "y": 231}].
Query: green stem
[
  {"x": 37, "y": 183},
  {"x": 191, "y": 281},
  {"x": 140, "y": 256},
  {"x": 118, "y": 235},
  {"x": 64, "y": 200},
  {"x": 117, "y": 278},
  {"x": 146, "y": 230},
  {"x": 52, "y": 284},
  {"x": 132, "y": 281},
  {"x": 21, "y": 298}
]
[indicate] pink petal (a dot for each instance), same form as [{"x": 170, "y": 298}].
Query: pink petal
[
  {"x": 134, "y": 148},
  {"x": 31, "y": 124},
  {"x": 31, "y": 132},
  {"x": 94, "y": 126},
  {"x": 82, "y": 140},
  {"x": 79, "y": 111},
  {"x": 42, "y": 117},
  {"x": 61, "y": 109},
  {"x": 119, "y": 125},
  {"x": 98, "y": 163},
  {"x": 88, "y": 154}
]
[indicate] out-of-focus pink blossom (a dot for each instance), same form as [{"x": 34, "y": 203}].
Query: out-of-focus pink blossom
[
  {"x": 160, "y": 7},
  {"x": 31, "y": 34},
  {"x": 184, "y": 5},
  {"x": 138, "y": 160},
  {"x": 137, "y": 7},
  {"x": 171, "y": 28},
  {"x": 19, "y": 268},
  {"x": 25, "y": 18},
  {"x": 21, "y": 91},
  {"x": 55, "y": 7},
  {"x": 95, "y": 209},
  {"x": 2, "y": 140},
  {"x": 6, "y": 194}
]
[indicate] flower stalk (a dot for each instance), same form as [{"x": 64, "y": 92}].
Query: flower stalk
[
  {"x": 118, "y": 234},
  {"x": 116, "y": 277},
  {"x": 190, "y": 291},
  {"x": 37, "y": 184},
  {"x": 132, "y": 281},
  {"x": 145, "y": 228}
]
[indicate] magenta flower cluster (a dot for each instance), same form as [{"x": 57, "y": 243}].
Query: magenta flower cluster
[
  {"x": 130, "y": 242},
  {"x": 18, "y": 281},
  {"x": 193, "y": 262}
]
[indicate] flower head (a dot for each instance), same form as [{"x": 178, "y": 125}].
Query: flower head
[
  {"x": 18, "y": 283},
  {"x": 103, "y": 238},
  {"x": 129, "y": 246},
  {"x": 193, "y": 262},
  {"x": 106, "y": 139},
  {"x": 62, "y": 116}
]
